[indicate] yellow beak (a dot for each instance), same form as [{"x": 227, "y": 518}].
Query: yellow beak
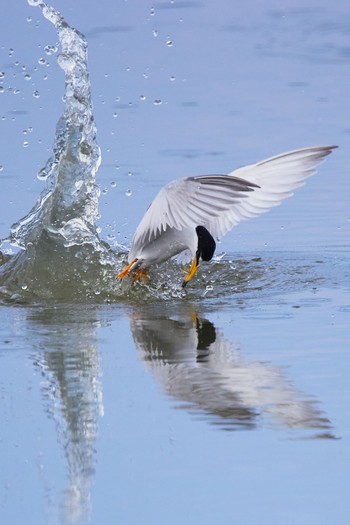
[{"x": 191, "y": 272}]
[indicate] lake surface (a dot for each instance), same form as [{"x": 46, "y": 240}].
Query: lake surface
[{"x": 227, "y": 402}]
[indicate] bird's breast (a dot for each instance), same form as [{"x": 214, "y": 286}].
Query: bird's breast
[{"x": 167, "y": 244}]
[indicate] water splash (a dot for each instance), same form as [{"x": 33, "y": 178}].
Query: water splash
[
  {"x": 71, "y": 191},
  {"x": 58, "y": 237}
]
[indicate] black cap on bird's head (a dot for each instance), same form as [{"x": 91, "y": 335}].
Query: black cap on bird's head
[
  {"x": 206, "y": 244},
  {"x": 205, "y": 250}
]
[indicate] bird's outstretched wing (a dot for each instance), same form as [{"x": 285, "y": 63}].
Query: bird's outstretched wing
[
  {"x": 276, "y": 177},
  {"x": 186, "y": 203}
]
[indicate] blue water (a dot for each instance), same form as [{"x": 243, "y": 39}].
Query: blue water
[{"x": 147, "y": 404}]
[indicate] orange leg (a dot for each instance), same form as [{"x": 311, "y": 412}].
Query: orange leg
[
  {"x": 140, "y": 274},
  {"x": 126, "y": 270}
]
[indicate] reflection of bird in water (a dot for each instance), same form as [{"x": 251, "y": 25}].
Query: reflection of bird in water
[
  {"x": 197, "y": 365},
  {"x": 189, "y": 214}
]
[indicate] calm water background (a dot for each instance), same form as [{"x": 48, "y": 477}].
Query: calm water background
[{"x": 230, "y": 405}]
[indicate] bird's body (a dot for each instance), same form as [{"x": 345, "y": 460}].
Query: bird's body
[
  {"x": 190, "y": 213},
  {"x": 165, "y": 246}
]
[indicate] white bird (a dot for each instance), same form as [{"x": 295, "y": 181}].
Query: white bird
[{"x": 191, "y": 213}]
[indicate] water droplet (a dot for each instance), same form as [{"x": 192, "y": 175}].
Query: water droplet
[
  {"x": 29, "y": 18},
  {"x": 172, "y": 78},
  {"x": 25, "y": 144},
  {"x": 1, "y": 168},
  {"x": 142, "y": 97},
  {"x": 208, "y": 288},
  {"x": 169, "y": 43},
  {"x": 115, "y": 115},
  {"x": 128, "y": 193},
  {"x": 30, "y": 129},
  {"x": 2, "y": 74},
  {"x": 129, "y": 174},
  {"x": 153, "y": 11},
  {"x": 34, "y": 3},
  {"x": 2, "y": 89},
  {"x": 157, "y": 102},
  {"x": 42, "y": 61},
  {"x": 104, "y": 191},
  {"x": 42, "y": 175},
  {"x": 11, "y": 51},
  {"x": 50, "y": 50},
  {"x": 24, "y": 286},
  {"x": 113, "y": 184},
  {"x": 27, "y": 77},
  {"x": 36, "y": 94},
  {"x": 155, "y": 33}
]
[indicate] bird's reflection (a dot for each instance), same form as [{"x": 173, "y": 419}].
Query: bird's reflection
[
  {"x": 70, "y": 366},
  {"x": 198, "y": 366}
]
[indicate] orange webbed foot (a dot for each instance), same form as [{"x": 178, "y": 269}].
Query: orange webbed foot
[
  {"x": 140, "y": 274},
  {"x": 125, "y": 272}
]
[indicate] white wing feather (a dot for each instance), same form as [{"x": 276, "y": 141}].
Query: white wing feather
[
  {"x": 219, "y": 202},
  {"x": 186, "y": 203},
  {"x": 276, "y": 177}
]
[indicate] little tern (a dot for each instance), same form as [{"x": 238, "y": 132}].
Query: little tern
[{"x": 190, "y": 213}]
